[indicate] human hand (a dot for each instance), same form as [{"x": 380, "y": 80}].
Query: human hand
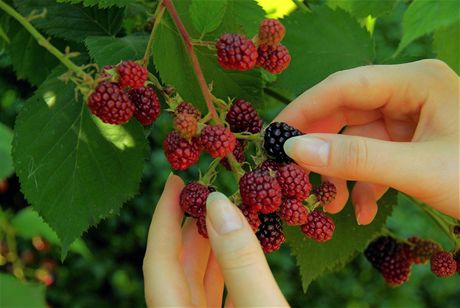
[
  {"x": 401, "y": 130},
  {"x": 181, "y": 270}
]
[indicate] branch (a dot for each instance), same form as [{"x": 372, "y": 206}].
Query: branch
[
  {"x": 42, "y": 41},
  {"x": 158, "y": 14},
  {"x": 277, "y": 95},
  {"x": 196, "y": 65}
]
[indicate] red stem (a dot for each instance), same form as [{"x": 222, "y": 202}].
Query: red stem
[{"x": 196, "y": 65}]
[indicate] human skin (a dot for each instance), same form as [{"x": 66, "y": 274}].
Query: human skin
[{"x": 401, "y": 130}]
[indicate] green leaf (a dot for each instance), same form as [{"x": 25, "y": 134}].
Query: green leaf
[
  {"x": 74, "y": 169},
  {"x": 72, "y": 22},
  {"x": 315, "y": 259},
  {"x": 176, "y": 68},
  {"x": 111, "y": 50},
  {"x": 319, "y": 48},
  {"x": 363, "y": 8},
  {"x": 31, "y": 61},
  {"x": 207, "y": 15},
  {"x": 29, "y": 224},
  {"x": 446, "y": 44},
  {"x": 425, "y": 16},
  {"x": 99, "y": 3},
  {"x": 226, "y": 83},
  {"x": 16, "y": 293},
  {"x": 241, "y": 16},
  {"x": 4, "y": 26},
  {"x": 6, "y": 163}
]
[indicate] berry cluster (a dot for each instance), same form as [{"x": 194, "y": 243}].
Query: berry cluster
[
  {"x": 237, "y": 52},
  {"x": 273, "y": 188},
  {"x": 394, "y": 259},
  {"x": 122, "y": 93}
]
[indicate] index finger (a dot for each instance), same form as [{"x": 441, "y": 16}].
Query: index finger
[{"x": 359, "y": 96}]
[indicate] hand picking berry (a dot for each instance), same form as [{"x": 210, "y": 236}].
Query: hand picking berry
[{"x": 275, "y": 136}]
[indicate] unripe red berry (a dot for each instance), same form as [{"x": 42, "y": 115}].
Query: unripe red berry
[
  {"x": 236, "y": 52},
  {"x": 271, "y": 32}
]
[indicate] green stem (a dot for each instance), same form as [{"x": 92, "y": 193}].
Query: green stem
[
  {"x": 248, "y": 136},
  {"x": 277, "y": 95},
  {"x": 158, "y": 14},
  {"x": 235, "y": 166},
  {"x": 42, "y": 41},
  {"x": 301, "y": 5},
  {"x": 209, "y": 176},
  {"x": 203, "y": 43}
]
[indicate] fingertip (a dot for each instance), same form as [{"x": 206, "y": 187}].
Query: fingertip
[
  {"x": 174, "y": 181},
  {"x": 365, "y": 212},
  {"x": 341, "y": 197}
]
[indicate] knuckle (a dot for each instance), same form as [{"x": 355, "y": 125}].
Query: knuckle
[
  {"x": 334, "y": 77},
  {"x": 357, "y": 156},
  {"x": 240, "y": 258},
  {"x": 437, "y": 69}
]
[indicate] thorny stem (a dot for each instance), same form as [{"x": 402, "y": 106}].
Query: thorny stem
[
  {"x": 196, "y": 65},
  {"x": 158, "y": 14},
  {"x": 42, "y": 41}
]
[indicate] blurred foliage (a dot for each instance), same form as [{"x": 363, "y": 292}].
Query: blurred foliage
[{"x": 111, "y": 274}]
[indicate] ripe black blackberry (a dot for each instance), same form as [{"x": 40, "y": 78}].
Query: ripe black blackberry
[
  {"x": 379, "y": 250},
  {"x": 270, "y": 233},
  {"x": 275, "y": 136}
]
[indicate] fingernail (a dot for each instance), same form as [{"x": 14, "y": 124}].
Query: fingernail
[
  {"x": 358, "y": 214},
  {"x": 222, "y": 214},
  {"x": 308, "y": 150}
]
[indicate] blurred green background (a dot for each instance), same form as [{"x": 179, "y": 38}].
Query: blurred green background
[{"x": 104, "y": 268}]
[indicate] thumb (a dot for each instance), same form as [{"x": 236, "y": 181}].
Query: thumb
[
  {"x": 246, "y": 273},
  {"x": 395, "y": 164}
]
